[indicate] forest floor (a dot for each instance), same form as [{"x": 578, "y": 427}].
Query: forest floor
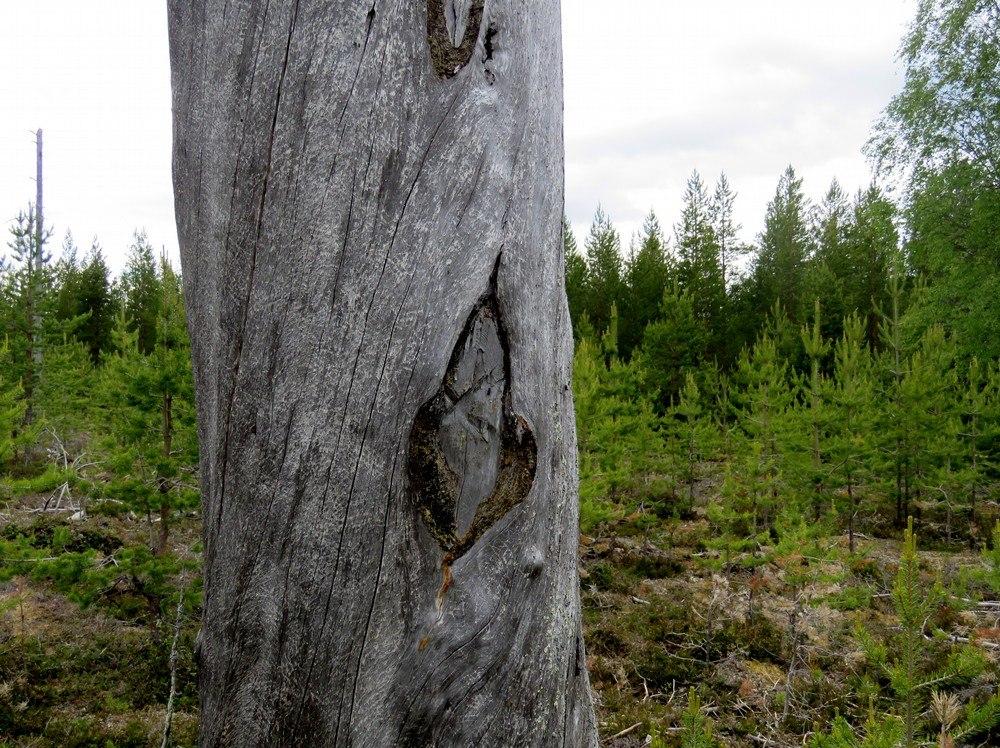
[
  {"x": 774, "y": 650},
  {"x": 86, "y": 661}
]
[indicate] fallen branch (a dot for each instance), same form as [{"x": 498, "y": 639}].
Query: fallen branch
[
  {"x": 54, "y": 510},
  {"x": 626, "y": 731},
  {"x": 955, "y": 639},
  {"x": 173, "y": 670},
  {"x": 984, "y": 604}
]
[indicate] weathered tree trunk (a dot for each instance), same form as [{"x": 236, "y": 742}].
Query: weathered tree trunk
[{"x": 369, "y": 201}]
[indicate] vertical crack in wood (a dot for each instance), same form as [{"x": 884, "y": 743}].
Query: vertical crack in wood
[
  {"x": 453, "y": 28},
  {"x": 471, "y": 458}
]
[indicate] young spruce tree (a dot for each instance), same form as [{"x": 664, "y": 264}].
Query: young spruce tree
[
  {"x": 692, "y": 437},
  {"x": 699, "y": 270},
  {"x": 605, "y": 270},
  {"x": 756, "y": 486},
  {"x": 815, "y": 389},
  {"x": 851, "y": 425},
  {"x": 649, "y": 271},
  {"x": 150, "y": 403}
]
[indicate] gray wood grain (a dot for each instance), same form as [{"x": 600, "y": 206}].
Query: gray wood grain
[{"x": 369, "y": 216}]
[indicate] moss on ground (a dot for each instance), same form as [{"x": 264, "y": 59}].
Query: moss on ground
[
  {"x": 663, "y": 618},
  {"x": 86, "y": 628}
]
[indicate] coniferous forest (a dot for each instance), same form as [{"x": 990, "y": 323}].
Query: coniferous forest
[{"x": 789, "y": 455}]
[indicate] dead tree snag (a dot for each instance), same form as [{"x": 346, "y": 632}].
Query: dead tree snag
[{"x": 369, "y": 203}]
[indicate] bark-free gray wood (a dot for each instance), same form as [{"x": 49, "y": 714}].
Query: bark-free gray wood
[{"x": 369, "y": 198}]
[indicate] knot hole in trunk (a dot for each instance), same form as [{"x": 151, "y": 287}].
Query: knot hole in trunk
[
  {"x": 471, "y": 458},
  {"x": 453, "y": 28}
]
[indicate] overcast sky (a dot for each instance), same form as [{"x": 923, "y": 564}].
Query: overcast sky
[{"x": 654, "y": 89}]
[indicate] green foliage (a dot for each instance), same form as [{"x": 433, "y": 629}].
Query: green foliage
[
  {"x": 605, "y": 270},
  {"x": 694, "y": 437},
  {"x": 991, "y": 562},
  {"x": 616, "y": 431},
  {"x": 910, "y": 674},
  {"x": 842, "y": 379},
  {"x": 785, "y": 245},
  {"x": 649, "y": 272},
  {"x": 951, "y": 95},
  {"x": 852, "y": 399},
  {"x": 976, "y": 422},
  {"x": 928, "y": 393},
  {"x": 817, "y": 414},
  {"x": 851, "y": 598},
  {"x": 916, "y": 667},
  {"x": 66, "y": 388},
  {"x": 700, "y": 272},
  {"x": 938, "y": 133},
  {"x": 913, "y": 607},
  {"x": 758, "y": 479},
  {"x": 978, "y": 718},
  {"x": 26, "y": 304},
  {"x": 149, "y": 402},
  {"x": 952, "y": 218},
  {"x": 84, "y": 300},
  {"x": 92, "y": 568},
  {"x": 97, "y": 689},
  {"x": 94, "y": 300},
  {"x": 878, "y": 732},
  {"x": 576, "y": 276},
  {"x": 140, "y": 287},
  {"x": 696, "y": 728},
  {"x": 902, "y": 417},
  {"x": 673, "y": 346},
  {"x": 726, "y": 230},
  {"x": 12, "y": 408},
  {"x": 870, "y": 256}
]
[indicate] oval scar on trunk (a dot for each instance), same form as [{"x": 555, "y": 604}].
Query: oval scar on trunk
[{"x": 471, "y": 458}]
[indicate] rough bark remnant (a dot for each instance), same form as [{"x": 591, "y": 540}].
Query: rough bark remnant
[
  {"x": 452, "y": 30},
  {"x": 369, "y": 203}
]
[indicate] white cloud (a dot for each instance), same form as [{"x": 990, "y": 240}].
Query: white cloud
[
  {"x": 653, "y": 90},
  {"x": 661, "y": 89},
  {"x": 95, "y": 76}
]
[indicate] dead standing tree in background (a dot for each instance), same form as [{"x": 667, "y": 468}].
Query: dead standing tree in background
[{"x": 369, "y": 197}]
